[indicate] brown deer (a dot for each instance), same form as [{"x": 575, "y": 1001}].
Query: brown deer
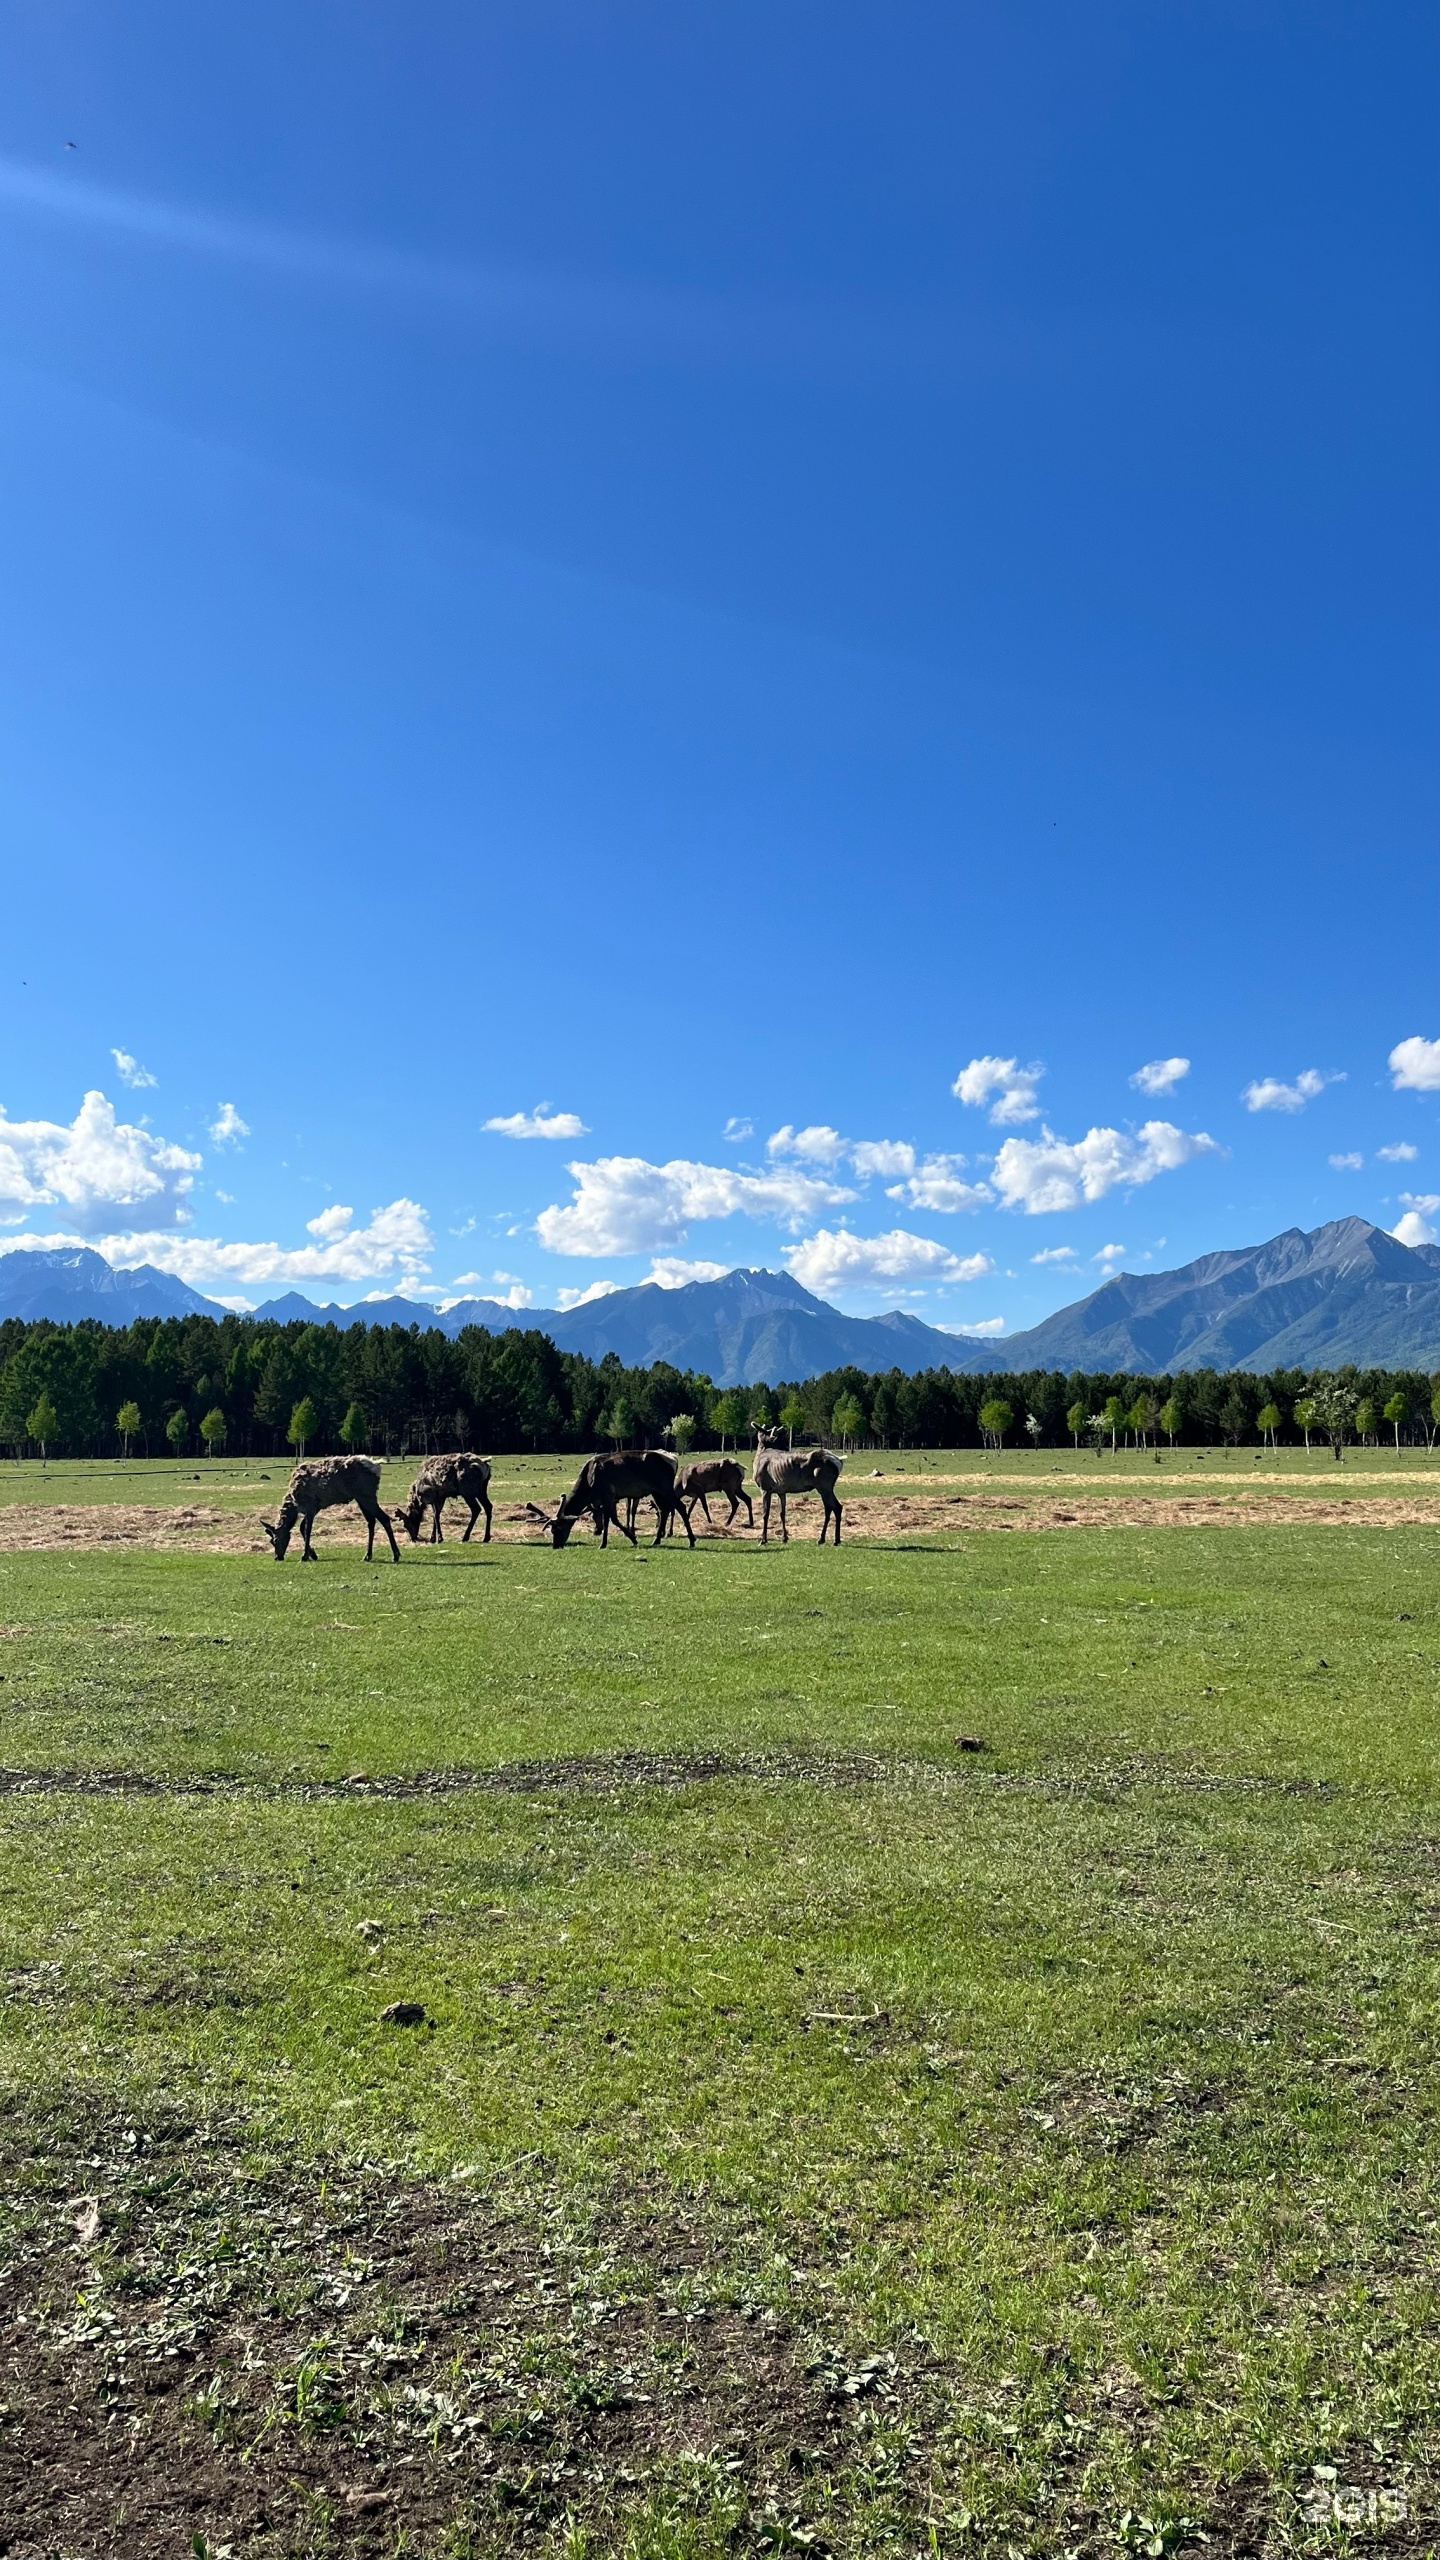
[
  {"x": 318, "y": 1484},
  {"x": 779, "y": 1471},
  {"x": 714, "y": 1475},
  {"x": 458, "y": 1476},
  {"x": 604, "y": 1483}
]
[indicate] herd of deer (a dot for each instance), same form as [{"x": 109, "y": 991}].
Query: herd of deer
[{"x": 601, "y": 1489}]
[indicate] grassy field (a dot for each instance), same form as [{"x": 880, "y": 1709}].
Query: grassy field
[{"x": 819, "y": 2134}]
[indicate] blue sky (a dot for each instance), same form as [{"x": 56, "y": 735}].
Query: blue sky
[{"x": 693, "y": 576}]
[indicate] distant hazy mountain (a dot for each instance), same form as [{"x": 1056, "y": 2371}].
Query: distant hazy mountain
[
  {"x": 752, "y": 1325},
  {"x": 1345, "y": 1292},
  {"x": 76, "y": 1282}
]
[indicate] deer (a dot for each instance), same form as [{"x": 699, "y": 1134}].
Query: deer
[
  {"x": 779, "y": 1471},
  {"x": 318, "y": 1484},
  {"x": 714, "y": 1475},
  {"x": 603, "y": 1483},
  {"x": 458, "y": 1476}
]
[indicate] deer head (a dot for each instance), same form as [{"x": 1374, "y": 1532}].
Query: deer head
[
  {"x": 558, "y": 1523},
  {"x": 279, "y": 1537}
]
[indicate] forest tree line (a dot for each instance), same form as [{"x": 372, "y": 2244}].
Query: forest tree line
[{"x": 232, "y": 1386}]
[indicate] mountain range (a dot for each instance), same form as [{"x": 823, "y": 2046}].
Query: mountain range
[{"x": 1344, "y": 1292}]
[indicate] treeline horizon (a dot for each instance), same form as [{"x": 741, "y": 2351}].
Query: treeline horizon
[{"x": 231, "y": 1385}]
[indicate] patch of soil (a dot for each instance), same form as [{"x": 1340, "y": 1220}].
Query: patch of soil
[
  {"x": 26, "y": 1527},
  {"x": 200, "y": 2356},
  {"x": 598, "y": 1774}
]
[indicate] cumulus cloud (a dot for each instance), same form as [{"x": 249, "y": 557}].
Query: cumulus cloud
[
  {"x": 565, "y": 1299},
  {"x": 542, "y": 1122},
  {"x": 736, "y": 1130},
  {"x": 1161, "y": 1075},
  {"x": 623, "y": 1204},
  {"x": 227, "y": 1128},
  {"x": 936, "y": 1184},
  {"x": 1415, "y": 1066},
  {"x": 1347, "y": 1164},
  {"x": 1415, "y": 1226},
  {"x": 819, "y": 1144},
  {"x": 1269, "y": 1093},
  {"x": 1011, "y": 1086},
  {"x": 887, "y": 1156},
  {"x": 1108, "y": 1253},
  {"x": 833, "y": 1258},
  {"x": 130, "y": 1070},
  {"x": 1401, "y": 1153},
  {"x": 396, "y": 1240},
  {"x": 669, "y": 1273},
  {"x": 502, "y": 1288},
  {"x": 1045, "y": 1174},
  {"x": 96, "y": 1167},
  {"x": 1055, "y": 1253},
  {"x": 988, "y": 1326},
  {"x": 929, "y": 1182}
]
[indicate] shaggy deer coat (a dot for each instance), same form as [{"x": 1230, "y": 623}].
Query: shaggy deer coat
[
  {"x": 779, "y": 1471},
  {"x": 458, "y": 1476},
  {"x": 715, "y": 1475},
  {"x": 603, "y": 1483},
  {"x": 319, "y": 1484}
]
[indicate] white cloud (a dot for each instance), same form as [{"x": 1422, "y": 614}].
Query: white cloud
[
  {"x": 988, "y": 1326},
  {"x": 881, "y": 1156},
  {"x": 819, "y": 1144},
  {"x": 1347, "y": 1164},
  {"x": 227, "y": 1127},
  {"x": 1109, "y": 1253},
  {"x": 330, "y": 1224},
  {"x": 1055, "y": 1253},
  {"x": 1161, "y": 1075},
  {"x": 226, "y": 1198},
  {"x": 668, "y": 1273},
  {"x": 1415, "y": 1066},
  {"x": 833, "y": 1258},
  {"x": 1268, "y": 1093},
  {"x": 565, "y": 1299},
  {"x": 1041, "y": 1175},
  {"x": 93, "y": 1168},
  {"x": 397, "y": 1240},
  {"x": 935, "y": 1184},
  {"x": 542, "y": 1122},
  {"x": 502, "y": 1287},
  {"x": 737, "y": 1130},
  {"x": 130, "y": 1070},
  {"x": 1401, "y": 1153},
  {"x": 1012, "y": 1085},
  {"x": 623, "y": 1204},
  {"x": 1415, "y": 1227}
]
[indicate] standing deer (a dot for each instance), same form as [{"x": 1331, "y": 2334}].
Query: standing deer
[
  {"x": 603, "y": 1483},
  {"x": 779, "y": 1471},
  {"x": 715, "y": 1475},
  {"x": 318, "y": 1484},
  {"x": 457, "y": 1477}
]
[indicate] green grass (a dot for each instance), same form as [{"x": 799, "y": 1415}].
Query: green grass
[{"x": 1091, "y": 2076}]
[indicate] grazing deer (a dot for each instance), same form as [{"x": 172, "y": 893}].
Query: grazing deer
[
  {"x": 779, "y": 1471},
  {"x": 318, "y": 1484},
  {"x": 714, "y": 1475},
  {"x": 457, "y": 1477},
  {"x": 603, "y": 1483}
]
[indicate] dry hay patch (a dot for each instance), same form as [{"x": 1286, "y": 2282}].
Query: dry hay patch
[{"x": 884, "y": 1516}]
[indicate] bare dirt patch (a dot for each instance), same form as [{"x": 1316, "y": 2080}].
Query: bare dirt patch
[
  {"x": 198, "y": 1530},
  {"x": 201, "y": 2355}
]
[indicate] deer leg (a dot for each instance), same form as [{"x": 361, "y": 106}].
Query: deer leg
[
  {"x": 486, "y": 1506},
  {"x": 437, "y": 1534},
  {"x": 750, "y": 1507},
  {"x": 307, "y": 1552},
  {"x": 765, "y": 1518},
  {"x": 384, "y": 1519},
  {"x": 784, "y": 1524},
  {"x": 369, "y": 1536},
  {"x": 685, "y": 1516}
]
